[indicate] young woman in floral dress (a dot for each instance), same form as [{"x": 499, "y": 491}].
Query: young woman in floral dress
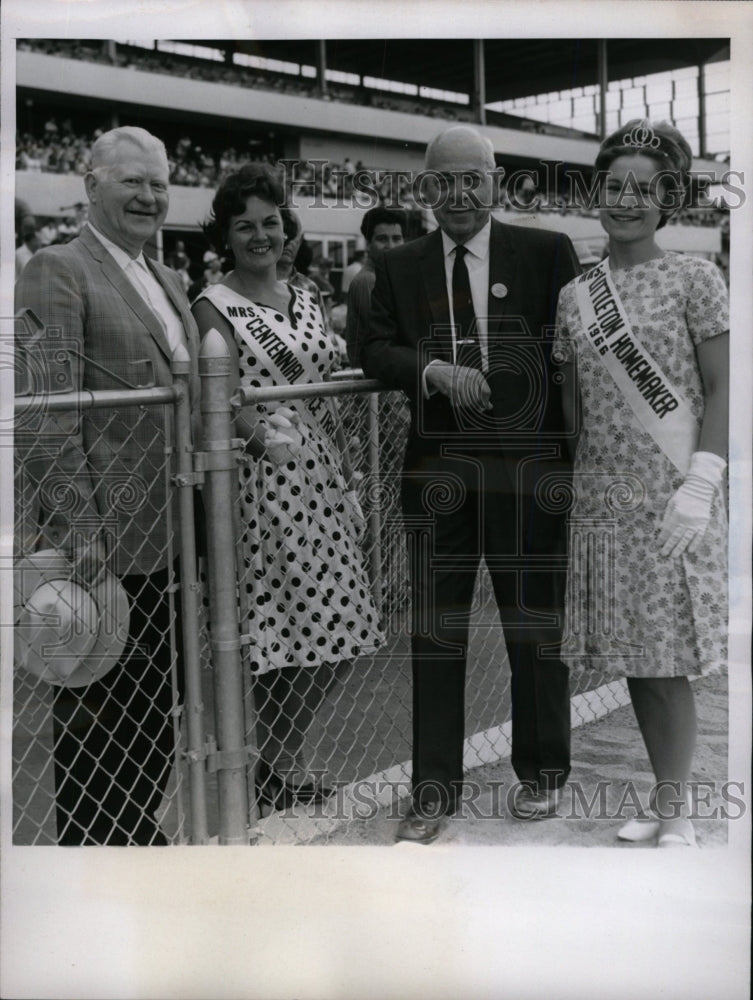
[{"x": 644, "y": 337}]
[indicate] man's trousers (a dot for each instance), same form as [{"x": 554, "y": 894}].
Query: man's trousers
[
  {"x": 456, "y": 512},
  {"x": 114, "y": 739}
]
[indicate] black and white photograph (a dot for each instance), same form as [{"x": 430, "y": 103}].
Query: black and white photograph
[{"x": 376, "y": 457}]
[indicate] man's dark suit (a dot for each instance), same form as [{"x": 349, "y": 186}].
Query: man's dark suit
[
  {"x": 113, "y": 739},
  {"x": 481, "y": 486}
]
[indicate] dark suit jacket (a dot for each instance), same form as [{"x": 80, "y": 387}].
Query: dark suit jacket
[
  {"x": 113, "y": 459},
  {"x": 409, "y": 326}
]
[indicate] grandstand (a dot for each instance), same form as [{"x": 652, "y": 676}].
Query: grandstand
[{"x": 367, "y": 108}]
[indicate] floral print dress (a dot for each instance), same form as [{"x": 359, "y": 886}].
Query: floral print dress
[{"x": 630, "y": 611}]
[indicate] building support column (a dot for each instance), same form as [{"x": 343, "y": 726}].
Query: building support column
[
  {"x": 321, "y": 68},
  {"x": 479, "y": 81},
  {"x": 701, "y": 109},
  {"x": 603, "y": 74}
]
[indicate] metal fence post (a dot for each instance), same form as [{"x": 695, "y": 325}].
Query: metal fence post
[
  {"x": 184, "y": 480},
  {"x": 375, "y": 513},
  {"x": 220, "y": 494}
]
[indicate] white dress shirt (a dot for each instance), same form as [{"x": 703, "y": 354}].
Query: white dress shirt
[
  {"x": 477, "y": 263},
  {"x": 150, "y": 290}
]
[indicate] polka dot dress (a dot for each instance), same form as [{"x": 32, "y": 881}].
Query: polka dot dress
[{"x": 305, "y": 595}]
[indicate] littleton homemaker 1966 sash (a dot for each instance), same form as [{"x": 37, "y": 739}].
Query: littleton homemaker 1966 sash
[{"x": 658, "y": 406}]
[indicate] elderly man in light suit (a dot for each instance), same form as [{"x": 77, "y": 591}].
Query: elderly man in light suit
[
  {"x": 125, "y": 314},
  {"x": 459, "y": 322}
]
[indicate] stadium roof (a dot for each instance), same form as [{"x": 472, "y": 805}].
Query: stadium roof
[{"x": 513, "y": 67}]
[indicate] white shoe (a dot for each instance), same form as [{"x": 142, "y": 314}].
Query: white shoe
[
  {"x": 678, "y": 838},
  {"x": 639, "y": 831}
]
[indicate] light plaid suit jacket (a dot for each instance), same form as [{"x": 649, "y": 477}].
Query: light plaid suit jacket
[{"x": 107, "y": 467}]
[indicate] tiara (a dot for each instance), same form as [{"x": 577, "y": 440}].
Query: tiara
[{"x": 641, "y": 137}]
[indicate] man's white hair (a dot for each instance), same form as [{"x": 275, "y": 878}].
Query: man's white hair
[
  {"x": 104, "y": 149},
  {"x": 458, "y": 132}
]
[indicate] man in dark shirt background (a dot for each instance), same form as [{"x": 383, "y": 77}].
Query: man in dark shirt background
[{"x": 383, "y": 229}]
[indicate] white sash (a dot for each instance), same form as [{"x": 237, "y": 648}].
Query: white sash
[
  {"x": 270, "y": 340},
  {"x": 659, "y": 407}
]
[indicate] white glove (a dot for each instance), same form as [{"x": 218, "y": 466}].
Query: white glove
[
  {"x": 688, "y": 512},
  {"x": 282, "y": 438},
  {"x": 354, "y": 513}
]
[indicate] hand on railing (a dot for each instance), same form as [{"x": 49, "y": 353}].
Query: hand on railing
[
  {"x": 466, "y": 388},
  {"x": 283, "y": 439}
]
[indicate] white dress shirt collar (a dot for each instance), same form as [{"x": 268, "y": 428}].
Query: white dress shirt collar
[
  {"x": 477, "y": 245},
  {"x": 122, "y": 257},
  {"x": 149, "y": 288}
]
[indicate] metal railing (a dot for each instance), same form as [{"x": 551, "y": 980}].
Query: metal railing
[
  {"x": 360, "y": 729},
  {"x": 56, "y": 726}
]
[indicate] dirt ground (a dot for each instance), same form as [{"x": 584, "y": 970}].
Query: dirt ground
[{"x": 609, "y": 761}]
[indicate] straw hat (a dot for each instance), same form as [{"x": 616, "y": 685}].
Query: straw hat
[{"x": 66, "y": 633}]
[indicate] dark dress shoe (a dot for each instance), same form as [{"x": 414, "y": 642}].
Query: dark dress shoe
[
  {"x": 528, "y": 803},
  {"x": 422, "y": 825}
]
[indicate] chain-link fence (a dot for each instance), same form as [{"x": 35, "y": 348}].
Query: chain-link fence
[
  {"x": 295, "y": 575},
  {"x": 100, "y": 671}
]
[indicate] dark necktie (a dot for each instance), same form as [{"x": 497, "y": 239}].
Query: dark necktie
[{"x": 468, "y": 350}]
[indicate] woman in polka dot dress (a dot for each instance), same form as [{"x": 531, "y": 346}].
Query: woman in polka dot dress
[{"x": 307, "y": 604}]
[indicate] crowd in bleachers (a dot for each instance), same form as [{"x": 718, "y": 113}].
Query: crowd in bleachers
[
  {"x": 126, "y": 57},
  {"x": 59, "y": 148},
  {"x": 157, "y": 61}
]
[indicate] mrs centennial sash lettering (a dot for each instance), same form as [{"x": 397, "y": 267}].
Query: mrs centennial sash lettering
[
  {"x": 657, "y": 404},
  {"x": 270, "y": 338}
]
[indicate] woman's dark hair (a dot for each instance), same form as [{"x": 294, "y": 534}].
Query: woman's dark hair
[
  {"x": 663, "y": 144},
  {"x": 230, "y": 199},
  {"x": 290, "y": 224}
]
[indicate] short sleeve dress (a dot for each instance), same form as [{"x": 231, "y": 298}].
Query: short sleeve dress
[
  {"x": 306, "y": 599},
  {"x": 631, "y": 612}
]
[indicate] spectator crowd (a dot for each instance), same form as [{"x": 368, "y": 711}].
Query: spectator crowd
[
  {"x": 59, "y": 148},
  {"x": 210, "y": 71}
]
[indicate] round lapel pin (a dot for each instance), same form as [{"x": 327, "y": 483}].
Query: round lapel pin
[{"x": 499, "y": 291}]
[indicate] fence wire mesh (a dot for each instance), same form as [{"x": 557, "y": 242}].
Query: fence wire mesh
[
  {"x": 347, "y": 722},
  {"x": 300, "y": 588},
  {"x": 93, "y": 750}
]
